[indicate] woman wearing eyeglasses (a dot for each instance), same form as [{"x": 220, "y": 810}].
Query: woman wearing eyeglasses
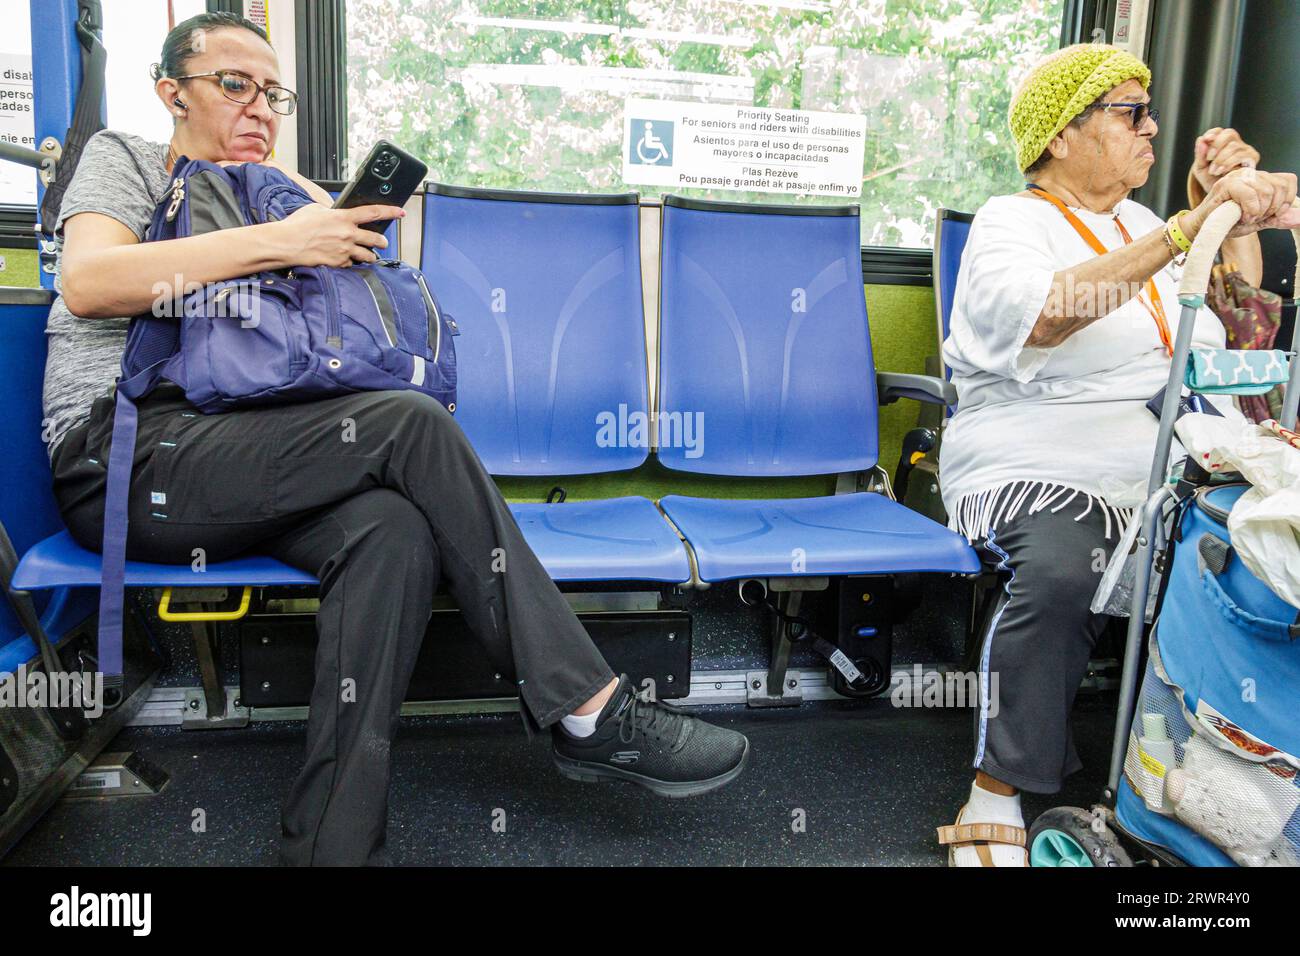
[
  {"x": 1063, "y": 318},
  {"x": 378, "y": 494}
]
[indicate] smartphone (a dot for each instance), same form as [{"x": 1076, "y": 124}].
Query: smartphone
[
  {"x": 388, "y": 177},
  {"x": 1187, "y": 403}
]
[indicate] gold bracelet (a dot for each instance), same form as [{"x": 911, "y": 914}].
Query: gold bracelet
[{"x": 1176, "y": 233}]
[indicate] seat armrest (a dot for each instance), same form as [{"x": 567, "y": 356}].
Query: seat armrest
[{"x": 891, "y": 386}]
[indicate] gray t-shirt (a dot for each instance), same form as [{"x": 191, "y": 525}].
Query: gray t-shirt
[{"x": 125, "y": 177}]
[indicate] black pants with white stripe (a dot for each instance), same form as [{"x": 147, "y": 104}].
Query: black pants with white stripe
[
  {"x": 1036, "y": 650},
  {"x": 381, "y": 496}
]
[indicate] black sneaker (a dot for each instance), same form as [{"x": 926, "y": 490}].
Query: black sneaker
[{"x": 657, "y": 746}]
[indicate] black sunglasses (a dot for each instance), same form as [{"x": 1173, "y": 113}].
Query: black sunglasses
[{"x": 1140, "y": 112}]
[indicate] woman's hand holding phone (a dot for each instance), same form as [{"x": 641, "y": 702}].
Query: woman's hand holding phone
[
  {"x": 388, "y": 176},
  {"x": 318, "y": 235}
]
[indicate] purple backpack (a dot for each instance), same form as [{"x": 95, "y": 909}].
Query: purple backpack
[
  {"x": 276, "y": 337},
  {"x": 297, "y": 335}
]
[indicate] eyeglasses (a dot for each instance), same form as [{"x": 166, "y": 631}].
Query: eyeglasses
[
  {"x": 244, "y": 89},
  {"x": 1140, "y": 112}
]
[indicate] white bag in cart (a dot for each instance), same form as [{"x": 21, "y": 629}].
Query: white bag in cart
[
  {"x": 1265, "y": 522},
  {"x": 1114, "y": 594}
]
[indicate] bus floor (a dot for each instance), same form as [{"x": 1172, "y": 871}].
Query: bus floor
[{"x": 872, "y": 782}]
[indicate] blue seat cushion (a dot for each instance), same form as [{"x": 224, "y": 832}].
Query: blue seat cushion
[
  {"x": 59, "y": 561},
  {"x": 608, "y": 540},
  {"x": 841, "y": 534},
  {"x": 612, "y": 539}
]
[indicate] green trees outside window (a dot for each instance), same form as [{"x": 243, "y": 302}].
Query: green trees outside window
[{"x": 530, "y": 95}]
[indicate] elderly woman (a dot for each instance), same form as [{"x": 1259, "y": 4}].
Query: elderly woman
[{"x": 1061, "y": 328}]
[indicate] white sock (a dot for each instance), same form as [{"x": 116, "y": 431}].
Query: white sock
[
  {"x": 580, "y": 725},
  {"x": 987, "y": 807}
]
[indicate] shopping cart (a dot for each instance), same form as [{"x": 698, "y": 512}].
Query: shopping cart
[{"x": 1205, "y": 601}]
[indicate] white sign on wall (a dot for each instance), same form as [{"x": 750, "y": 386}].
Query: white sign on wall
[
  {"x": 17, "y": 126},
  {"x": 746, "y": 148}
]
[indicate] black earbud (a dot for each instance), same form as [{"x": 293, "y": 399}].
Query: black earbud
[{"x": 178, "y": 102}]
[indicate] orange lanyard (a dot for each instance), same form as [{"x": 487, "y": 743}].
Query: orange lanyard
[{"x": 1156, "y": 308}]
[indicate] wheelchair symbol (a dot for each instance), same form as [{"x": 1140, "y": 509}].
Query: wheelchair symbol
[{"x": 654, "y": 147}]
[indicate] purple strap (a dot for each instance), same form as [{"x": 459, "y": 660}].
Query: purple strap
[{"x": 113, "y": 574}]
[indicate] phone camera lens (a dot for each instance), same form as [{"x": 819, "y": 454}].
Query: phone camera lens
[
  {"x": 385, "y": 165},
  {"x": 385, "y": 188}
]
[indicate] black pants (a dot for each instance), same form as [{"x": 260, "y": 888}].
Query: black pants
[
  {"x": 1036, "y": 650},
  {"x": 381, "y": 496}
]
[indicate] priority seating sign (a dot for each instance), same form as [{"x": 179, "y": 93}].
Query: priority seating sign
[{"x": 743, "y": 148}]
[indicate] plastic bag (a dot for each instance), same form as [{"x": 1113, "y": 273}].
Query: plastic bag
[
  {"x": 1265, "y": 521},
  {"x": 1241, "y": 807},
  {"x": 1265, "y": 532},
  {"x": 1114, "y": 595}
]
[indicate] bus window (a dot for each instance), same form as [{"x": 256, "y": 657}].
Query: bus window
[
  {"x": 133, "y": 35},
  {"x": 17, "y": 127},
  {"x": 133, "y": 32},
  {"x": 497, "y": 96}
]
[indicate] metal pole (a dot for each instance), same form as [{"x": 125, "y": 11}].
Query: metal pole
[
  {"x": 1191, "y": 294},
  {"x": 1150, "y": 517},
  {"x": 1173, "y": 395},
  {"x": 1291, "y": 397},
  {"x": 56, "y": 77},
  {"x": 26, "y": 157}
]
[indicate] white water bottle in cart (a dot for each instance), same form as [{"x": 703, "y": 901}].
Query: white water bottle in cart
[{"x": 1156, "y": 754}]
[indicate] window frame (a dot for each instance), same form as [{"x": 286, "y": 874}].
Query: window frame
[
  {"x": 321, "y": 38},
  {"x": 881, "y": 265},
  {"x": 18, "y": 226}
]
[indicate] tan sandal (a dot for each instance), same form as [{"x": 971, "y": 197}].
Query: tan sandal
[{"x": 980, "y": 836}]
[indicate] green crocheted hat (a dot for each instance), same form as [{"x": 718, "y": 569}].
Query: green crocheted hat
[{"x": 1060, "y": 87}]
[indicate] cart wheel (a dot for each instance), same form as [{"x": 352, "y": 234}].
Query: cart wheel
[{"x": 1068, "y": 836}]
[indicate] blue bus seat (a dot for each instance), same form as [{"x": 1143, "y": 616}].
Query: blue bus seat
[
  {"x": 50, "y": 560},
  {"x": 27, "y": 507},
  {"x": 951, "y": 230},
  {"x": 613, "y": 539},
  {"x": 763, "y": 334},
  {"x": 61, "y": 577},
  {"x": 64, "y": 576},
  {"x": 546, "y": 291},
  {"x": 859, "y": 533},
  {"x": 59, "y": 561}
]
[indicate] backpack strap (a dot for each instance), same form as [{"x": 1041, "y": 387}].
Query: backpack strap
[
  {"x": 121, "y": 456},
  {"x": 113, "y": 574}
]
